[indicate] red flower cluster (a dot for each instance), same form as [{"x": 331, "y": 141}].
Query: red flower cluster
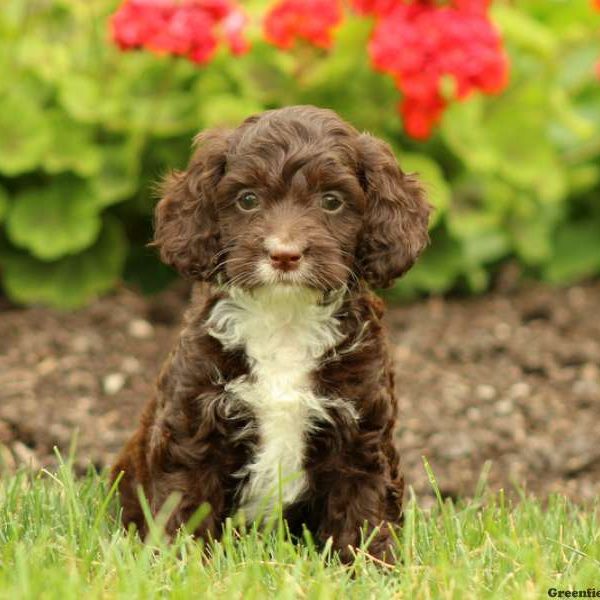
[
  {"x": 190, "y": 28},
  {"x": 311, "y": 20},
  {"x": 375, "y": 7},
  {"x": 432, "y": 49},
  {"x": 421, "y": 44},
  {"x": 383, "y": 7}
]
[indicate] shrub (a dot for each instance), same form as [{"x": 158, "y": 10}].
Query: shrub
[{"x": 86, "y": 128}]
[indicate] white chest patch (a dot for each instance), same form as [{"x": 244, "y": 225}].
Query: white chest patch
[{"x": 284, "y": 332}]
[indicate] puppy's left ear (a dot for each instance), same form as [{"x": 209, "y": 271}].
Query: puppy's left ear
[
  {"x": 186, "y": 221},
  {"x": 396, "y": 216}
]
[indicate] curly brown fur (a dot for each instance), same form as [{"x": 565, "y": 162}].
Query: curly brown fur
[{"x": 284, "y": 223}]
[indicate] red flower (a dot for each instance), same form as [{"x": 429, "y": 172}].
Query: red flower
[
  {"x": 473, "y": 6},
  {"x": 181, "y": 35},
  {"x": 217, "y": 9},
  {"x": 189, "y": 28},
  {"x": 420, "y": 44},
  {"x": 383, "y": 7},
  {"x": 420, "y": 115},
  {"x": 232, "y": 29},
  {"x": 375, "y": 7},
  {"x": 311, "y": 20},
  {"x": 137, "y": 21}
]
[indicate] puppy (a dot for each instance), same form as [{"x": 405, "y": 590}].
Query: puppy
[{"x": 280, "y": 390}]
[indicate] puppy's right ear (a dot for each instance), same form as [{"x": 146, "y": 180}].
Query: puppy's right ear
[{"x": 186, "y": 228}]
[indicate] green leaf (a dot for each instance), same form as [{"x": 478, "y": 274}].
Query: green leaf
[
  {"x": 486, "y": 247},
  {"x": 118, "y": 174},
  {"x": 72, "y": 281},
  {"x": 522, "y": 30},
  {"x": 584, "y": 178},
  {"x": 81, "y": 96},
  {"x": 532, "y": 240},
  {"x": 51, "y": 59},
  {"x": 24, "y": 133},
  {"x": 576, "y": 253},
  {"x": 509, "y": 137},
  {"x": 527, "y": 159},
  {"x": 140, "y": 92},
  {"x": 3, "y": 203},
  {"x": 463, "y": 131},
  {"x": 55, "y": 220},
  {"x": 477, "y": 279},
  {"x": 478, "y": 218},
  {"x": 563, "y": 18},
  {"x": 73, "y": 147},
  {"x": 436, "y": 270},
  {"x": 227, "y": 110}
]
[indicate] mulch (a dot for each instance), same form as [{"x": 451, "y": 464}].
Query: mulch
[{"x": 511, "y": 377}]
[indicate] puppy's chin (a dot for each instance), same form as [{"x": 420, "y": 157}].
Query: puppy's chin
[
  {"x": 265, "y": 276},
  {"x": 269, "y": 276}
]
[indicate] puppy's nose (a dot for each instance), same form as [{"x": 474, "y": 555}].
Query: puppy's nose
[{"x": 285, "y": 259}]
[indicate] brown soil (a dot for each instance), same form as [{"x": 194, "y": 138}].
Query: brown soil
[{"x": 513, "y": 378}]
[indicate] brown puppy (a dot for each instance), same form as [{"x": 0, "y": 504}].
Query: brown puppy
[{"x": 280, "y": 386}]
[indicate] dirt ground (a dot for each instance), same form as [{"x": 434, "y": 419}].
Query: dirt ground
[{"x": 513, "y": 378}]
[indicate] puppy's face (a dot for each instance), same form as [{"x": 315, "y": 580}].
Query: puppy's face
[
  {"x": 293, "y": 196},
  {"x": 290, "y": 214}
]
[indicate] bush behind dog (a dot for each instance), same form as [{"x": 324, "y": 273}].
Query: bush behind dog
[{"x": 85, "y": 130}]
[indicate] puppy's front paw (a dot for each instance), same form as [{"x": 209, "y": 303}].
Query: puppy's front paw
[{"x": 383, "y": 546}]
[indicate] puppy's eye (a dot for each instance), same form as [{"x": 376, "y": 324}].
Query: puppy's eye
[
  {"x": 248, "y": 201},
  {"x": 331, "y": 201}
]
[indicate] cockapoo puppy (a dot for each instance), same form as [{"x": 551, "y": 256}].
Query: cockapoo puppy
[{"x": 280, "y": 390}]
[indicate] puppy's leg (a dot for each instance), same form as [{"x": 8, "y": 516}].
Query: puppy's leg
[
  {"x": 362, "y": 492},
  {"x": 196, "y": 487},
  {"x": 352, "y": 508},
  {"x": 164, "y": 458},
  {"x": 127, "y": 488},
  {"x": 132, "y": 468}
]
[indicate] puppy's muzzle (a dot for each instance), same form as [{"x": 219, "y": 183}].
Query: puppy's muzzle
[
  {"x": 285, "y": 260},
  {"x": 284, "y": 256}
]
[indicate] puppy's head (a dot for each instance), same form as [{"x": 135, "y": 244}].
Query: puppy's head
[{"x": 292, "y": 196}]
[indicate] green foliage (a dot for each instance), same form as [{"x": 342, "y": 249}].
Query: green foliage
[
  {"x": 3, "y": 203},
  {"x": 60, "y": 538},
  {"x": 85, "y": 131},
  {"x": 71, "y": 281},
  {"x": 54, "y": 220}
]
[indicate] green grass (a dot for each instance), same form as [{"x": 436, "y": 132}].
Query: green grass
[{"x": 60, "y": 538}]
